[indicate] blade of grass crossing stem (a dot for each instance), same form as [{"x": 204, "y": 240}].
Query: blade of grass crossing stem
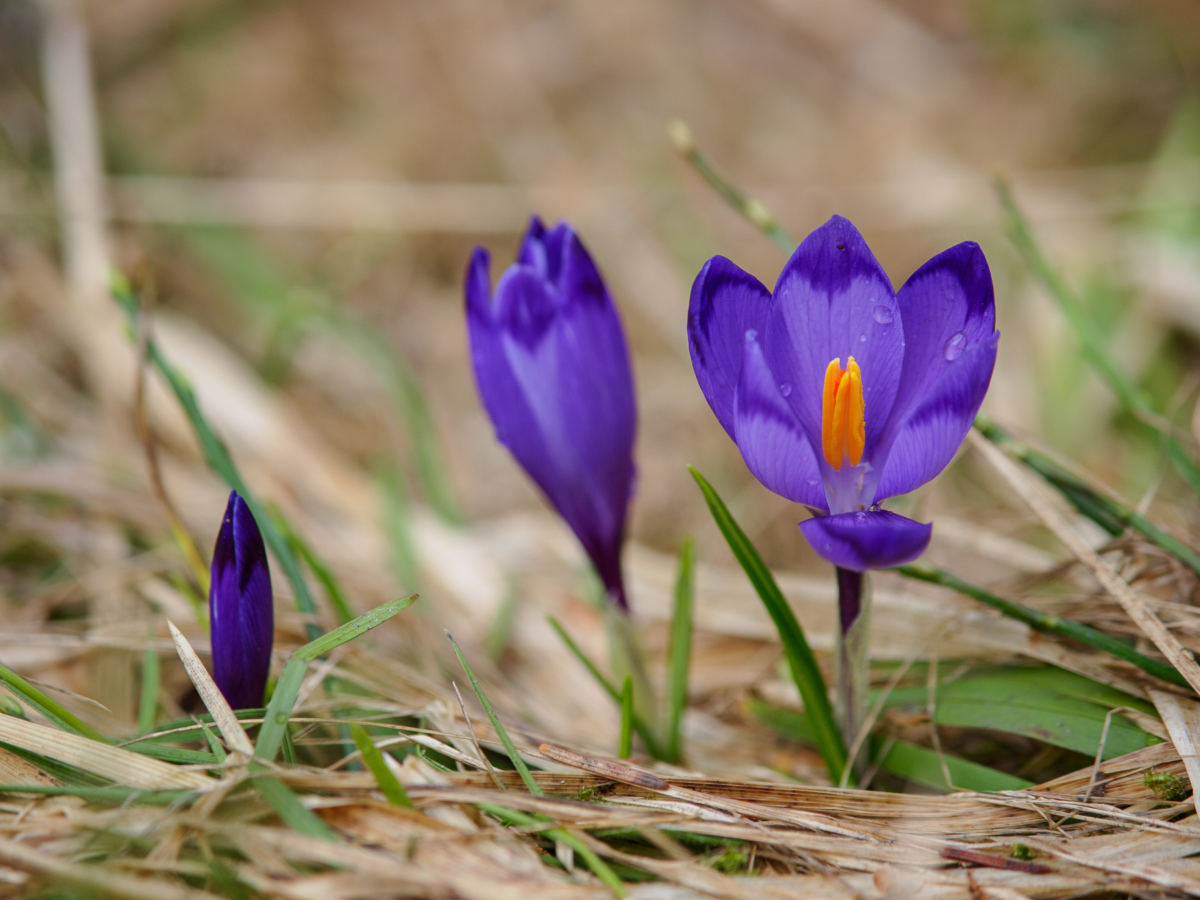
[
  {"x": 151, "y": 682},
  {"x": 639, "y": 724},
  {"x": 47, "y": 707},
  {"x": 372, "y": 758},
  {"x": 287, "y": 689},
  {"x": 1131, "y": 397},
  {"x": 801, "y": 662},
  {"x": 599, "y": 867},
  {"x": 625, "y": 748},
  {"x": 680, "y": 651},
  {"x": 219, "y": 459},
  {"x": 1045, "y": 622},
  {"x": 509, "y": 747}
]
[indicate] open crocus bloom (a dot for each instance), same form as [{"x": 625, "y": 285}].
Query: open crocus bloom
[
  {"x": 841, "y": 392},
  {"x": 553, "y": 372}
]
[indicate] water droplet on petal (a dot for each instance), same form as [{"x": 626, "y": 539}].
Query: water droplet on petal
[
  {"x": 862, "y": 338},
  {"x": 751, "y": 335},
  {"x": 954, "y": 346},
  {"x": 785, "y": 389},
  {"x": 883, "y": 314}
]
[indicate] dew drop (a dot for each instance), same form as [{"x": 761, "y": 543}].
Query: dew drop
[
  {"x": 954, "y": 346},
  {"x": 862, "y": 338},
  {"x": 751, "y": 334},
  {"x": 785, "y": 389},
  {"x": 883, "y": 314}
]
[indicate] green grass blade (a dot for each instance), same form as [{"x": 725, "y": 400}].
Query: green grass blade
[
  {"x": 291, "y": 810},
  {"x": 1046, "y": 704},
  {"x": 218, "y": 457},
  {"x": 373, "y": 759},
  {"x": 599, "y": 867},
  {"x": 322, "y": 572},
  {"x": 680, "y": 651},
  {"x": 753, "y": 210},
  {"x": 1110, "y": 514},
  {"x": 625, "y": 747},
  {"x": 55, "y": 712},
  {"x": 287, "y": 689},
  {"x": 918, "y": 764},
  {"x": 1131, "y": 397},
  {"x": 279, "y": 709},
  {"x": 801, "y": 662},
  {"x": 151, "y": 684},
  {"x": 497, "y": 726},
  {"x": 354, "y": 628},
  {"x": 639, "y": 724},
  {"x": 1045, "y": 622}
]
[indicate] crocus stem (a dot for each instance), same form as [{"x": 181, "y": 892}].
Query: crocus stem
[
  {"x": 629, "y": 659},
  {"x": 854, "y": 618}
]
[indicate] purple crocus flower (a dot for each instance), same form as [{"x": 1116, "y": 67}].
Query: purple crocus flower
[
  {"x": 240, "y": 608},
  {"x": 841, "y": 392},
  {"x": 552, "y": 369}
]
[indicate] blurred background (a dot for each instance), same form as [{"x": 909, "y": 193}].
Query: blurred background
[{"x": 294, "y": 187}]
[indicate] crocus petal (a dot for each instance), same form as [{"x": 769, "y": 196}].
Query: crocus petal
[
  {"x": 947, "y": 306},
  {"x": 726, "y": 304},
  {"x": 869, "y": 539},
  {"x": 240, "y": 608},
  {"x": 770, "y": 438},
  {"x": 833, "y": 300},
  {"x": 933, "y": 431},
  {"x": 552, "y": 369}
]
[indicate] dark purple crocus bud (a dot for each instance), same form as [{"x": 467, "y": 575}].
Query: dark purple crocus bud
[
  {"x": 553, "y": 372},
  {"x": 240, "y": 608}
]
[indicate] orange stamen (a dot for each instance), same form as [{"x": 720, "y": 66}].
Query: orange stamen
[{"x": 843, "y": 426}]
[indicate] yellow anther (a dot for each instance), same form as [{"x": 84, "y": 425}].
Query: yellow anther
[{"x": 843, "y": 426}]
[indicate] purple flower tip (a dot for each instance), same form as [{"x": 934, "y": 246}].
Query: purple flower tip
[
  {"x": 839, "y": 391},
  {"x": 240, "y": 608},
  {"x": 553, "y": 372}
]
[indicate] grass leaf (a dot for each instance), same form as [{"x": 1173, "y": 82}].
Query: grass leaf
[
  {"x": 680, "y": 652},
  {"x": 801, "y": 662}
]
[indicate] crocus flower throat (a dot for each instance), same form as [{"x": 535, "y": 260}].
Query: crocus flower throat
[{"x": 843, "y": 414}]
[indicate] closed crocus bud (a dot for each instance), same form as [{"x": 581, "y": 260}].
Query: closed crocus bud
[
  {"x": 553, "y": 371},
  {"x": 240, "y": 608}
]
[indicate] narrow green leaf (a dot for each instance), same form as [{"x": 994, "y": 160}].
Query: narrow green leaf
[
  {"x": 279, "y": 709},
  {"x": 1045, "y": 622},
  {"x": 801, "y": 661},
  {"x": 47, "y": 707},
  {"x": 373, "y": 759},
  {"x": 322, "y": 572},
  {"x": 287, "y": 689},
  {"x": 599, "y": 867},
  {"x": 219, "y": 458},
  {"x": 1132, "y": 399},
  {"x": 354, "y": 628},
  {"x": 922, "y": 765},
  {"x": 497, "y": 726},
  {"x": 291, "y": 809},
  {"x": 918, "y": 764},
  {"x": 151, "y": 682},
  {"x": 1107, "y": 512},
  {"x": 680, "y": 651},
  {"x": 625, "y": 747},
  {"x": 639, "y": 724}
]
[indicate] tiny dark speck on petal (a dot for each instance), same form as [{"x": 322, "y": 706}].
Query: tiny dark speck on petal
[{"x": 840, "y": 246}]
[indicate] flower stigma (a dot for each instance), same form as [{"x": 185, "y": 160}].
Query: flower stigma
[{"x": 843, "y": 426}]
